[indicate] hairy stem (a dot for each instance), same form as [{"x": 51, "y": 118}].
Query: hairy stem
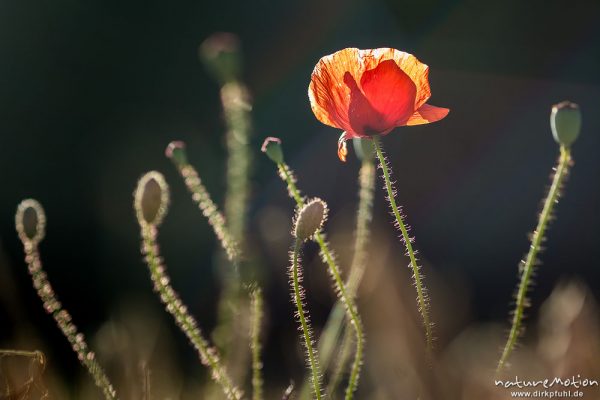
[
  {"x": 50, "y": 301},
  {"x": 334, "y": 326},
  {"x": 63, "y": 320},
  {"x": 208, "y": 355},
  {"x": 256, "y": 321},
  {"x": 527, "y": 266},
  {"x": 343, "y": 296},
  {"x": 236, "y": 108},
  {"x": 421, "y": 292},
  {"x": 297, "y": 297},
  {"x": 209, "y": 209}
]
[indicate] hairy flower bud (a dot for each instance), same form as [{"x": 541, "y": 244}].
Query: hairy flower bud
[
  {"x": 151, "y": 198},
  {"x": 310, "y": 218},
  {"x": 272, "y": 148},
  {"x": 565, "y": 121},
  {"x": 30, "y": 221}
]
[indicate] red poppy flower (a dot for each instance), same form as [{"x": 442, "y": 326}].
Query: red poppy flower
[{"x": 370, "y": 92}]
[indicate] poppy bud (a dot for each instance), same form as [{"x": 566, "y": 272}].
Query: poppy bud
[
  {"x": 565, "y": 121},
  {"x": 310, "y": 218},
  {"x": 176, "y": 152},
  {"x": 30, "y": 221},
  {"x": 220, "y": 53},
  {"x": 272, "y": 148},
  {"x": 364, "y": 148},
  {"x": 151, "y": 198}
]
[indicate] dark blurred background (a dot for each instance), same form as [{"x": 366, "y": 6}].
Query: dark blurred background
[{"x": 91, "y": 93}]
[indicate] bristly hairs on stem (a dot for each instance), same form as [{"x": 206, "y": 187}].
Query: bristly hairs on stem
[
  {"x": 565, "y": 123},
  {"x": 221, "y": 54},
  {"x": 334, "y": 326},
  {"x": 176, "y": 153},
  {"x": 151, "y": 201},
  {"x": 256, "y": 318},
  {"x": 30, "y": 221},
  {"x": 272, "y": 148},
  {"x": 226, "y": 333},
  {"x": 422, "y": 296},
  {"x": 528, "y": 264},
  {"x": 307, "y": 221}
]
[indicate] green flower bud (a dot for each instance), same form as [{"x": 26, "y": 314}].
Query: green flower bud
[
  {"x": 220, "y": 53},
  {"x": 565, "y": 121},
  {"x": 272, "y": 148},
  {"x": 310, "y": 218}
]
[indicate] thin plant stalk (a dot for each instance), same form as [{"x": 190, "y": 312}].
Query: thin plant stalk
[
  {"x": 232, "y": 323},
  {"x": 334, "y": 326},
  {"x": 222, "y": 56},
  {"x": 150, "y": 213},
  {"x": 201, "y": 196},
  {"x": 256, "y": 317},
  {"x": 236, "y": 108},
  {"x": 327, "y": 255},
  {"x": 297, "y": 297},
  {"x": 422, "y": 298},
  {"x": 209, "y": 356},
  {"x": 527, "y": 265},
  {"x": 47, "y": 295}
]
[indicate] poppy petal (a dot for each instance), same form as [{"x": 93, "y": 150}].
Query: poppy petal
[
  {"x": 329, "y": 96},
  {"x": 416, "y": 70},
  {"x": 391, "y": 92},
  {"x": 427, "y": 114}
]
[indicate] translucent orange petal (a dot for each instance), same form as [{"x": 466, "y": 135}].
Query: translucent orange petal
[
  {"x": 329, "y": 96},
  {"x": 427, "y": 114},
  {"x": 416, "y": 70},
  {"x": 391, "y": 93}
]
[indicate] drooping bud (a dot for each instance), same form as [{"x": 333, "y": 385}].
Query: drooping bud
[
  {"x": 220, "y": 53},
  {"x": 272, "y": 148},
  {"x": 176, "y": 152},
  {"x": 364, "y": 149},
  {"x": 30, "y": 221},
  {"x": 565, "y": 121},
  {"x": 310, "y": 219},
  {"x": 151, "y": 200}
]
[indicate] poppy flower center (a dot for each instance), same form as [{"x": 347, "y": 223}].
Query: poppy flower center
[{"x": 384, "y": 99}]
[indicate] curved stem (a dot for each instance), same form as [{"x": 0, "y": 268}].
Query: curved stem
[
  {"x": 297, "y": 297},
  {"x": 421, "y": 293},
  {"x": 208, "y": 356},
  {"x": 527, "y": 266},
  {"x": 64, "y": 321}
]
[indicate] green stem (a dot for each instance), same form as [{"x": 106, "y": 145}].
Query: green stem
[
  {"x": 350, "y": 311},
  {"x": 364, "y": 216},
  {"x": 311, "y": 352},
  {"x": 343, "y": 295},
  {"x": 209, "y": 356},
  {"x": 421, "y": 293},
  {"x": 333, "y": 327},
  {"x": 256, "y": 321},
  {"x": 527, "y": 266}
]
